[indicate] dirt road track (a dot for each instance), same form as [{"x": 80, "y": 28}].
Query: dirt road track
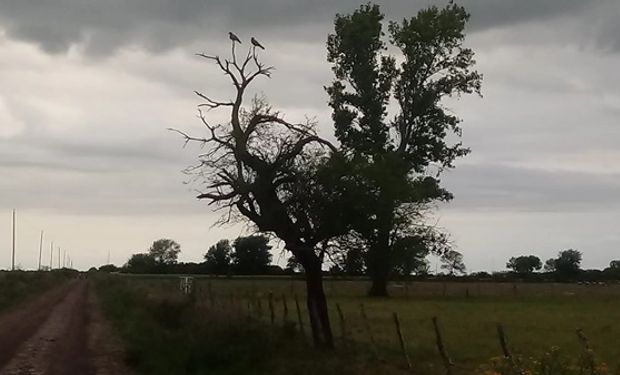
[{"x": 60, "y": 333}]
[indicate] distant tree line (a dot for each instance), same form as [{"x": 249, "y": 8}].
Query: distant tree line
[
  {"x": 565, "y": 267},
  {"x": 250, "y": 255}
]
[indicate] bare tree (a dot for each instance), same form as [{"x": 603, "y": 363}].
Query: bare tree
[{"x": 268, "y": 171}]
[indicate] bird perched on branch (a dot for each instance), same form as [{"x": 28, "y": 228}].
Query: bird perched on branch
[
  {"x": 234, "y": 38},
  {"x": 255, "y": 43}
]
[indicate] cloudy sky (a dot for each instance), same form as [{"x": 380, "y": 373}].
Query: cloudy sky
[{"x": 88, "y": 88}]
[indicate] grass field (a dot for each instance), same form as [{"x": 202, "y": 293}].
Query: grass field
[
  {"x": 536, "y": 317},
  {"x": 18, "y": 286}
]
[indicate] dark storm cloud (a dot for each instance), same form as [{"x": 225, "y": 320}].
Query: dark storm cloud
[{"x": 103, "y": 26}]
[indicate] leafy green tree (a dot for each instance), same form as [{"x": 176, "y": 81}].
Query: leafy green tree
[
  {"x": 396, "y": 158},
  {"x": 165, "y": 252},
  {"x": 353, "y": 262},
  {"x": 293, "y": 265},
  {"x": 524, "y": 264},
  {"x": 251, "y": 255},
  {"x": 108, "y": 268},
  {"x": 409, "y": 256},
  {"x": 218, "y": 258},
  {"x": 613, "y": 271},
  {"x": 567, "y": 265},
  {"x": 141, "y": 263},
  {"x": 452, "y": 262}
]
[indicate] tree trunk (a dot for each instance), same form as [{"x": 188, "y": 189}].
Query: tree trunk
[
  {"x": 379, "y": 264},
  {"x": 379, "y": 273},
  {"x": 379, "y": 258},
  {"x": 316, "y": 301}
]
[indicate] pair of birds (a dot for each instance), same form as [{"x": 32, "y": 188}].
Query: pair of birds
[{"x": 254, "y": 42}]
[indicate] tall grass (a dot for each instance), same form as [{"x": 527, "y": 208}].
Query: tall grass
[
  {"x": 169, "y": 334},
  {"x": 18, "y": 286}
]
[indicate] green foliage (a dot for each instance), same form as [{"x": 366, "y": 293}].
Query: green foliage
[
  {"x": 218, "y": 258},
  {"x": 452, "y": 262},
  {"x": 18, "y": 286},
  {"x": 293, "y": 265},
  {"x": 552, "y": 362},
  {"x": 165, "y": 334},
  {"x": 390, "y": 155},
  {"x": 165, "y": 251},
  {"x": 141, "y": 263},
  {"x": 524, "y": 264},
  {"x": 108, "y": 268},
  {"x": 251, "y": 255},
  {"x": 567, "y": 265}
]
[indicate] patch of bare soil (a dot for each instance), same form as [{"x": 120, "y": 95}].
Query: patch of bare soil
[
  {"x": 21, "y": 322},
  {"x": 63, "y": 332}
]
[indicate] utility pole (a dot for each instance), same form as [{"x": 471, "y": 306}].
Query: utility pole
[
  {"x": 108, "y": 257},
  {"x": 51, "y": 255},
  {"x": 40, "y": 250},
  {"x": 13, "y": 256},
  {"x": 59, "y": 252}
]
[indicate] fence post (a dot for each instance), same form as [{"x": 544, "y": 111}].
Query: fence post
[
  {"x": 373, "y": 344},
  {"x": 248, "y": 302},
  {"x": 212, "y": 300},
  {"x": 271, "y": 311},
  {"x": 588, "y": 354},
  {"x": 343, "y": 326},
  {"x": 401, "y": 340},
  {"x": 259, "y": 307},
  {"x": 299, "y": 319},
  {"x": 507, "y": 354},
  {"x": 448, "y": 364},
  {"x": 284, "y": 309}
]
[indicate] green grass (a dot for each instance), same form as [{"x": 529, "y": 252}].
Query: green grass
[
  {"x": 165, "y": 333},
  {"x": 536, "y": 317},
  {"x": 18, "y": 286}
]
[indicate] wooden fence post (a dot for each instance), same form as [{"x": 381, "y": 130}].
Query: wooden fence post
[
  {"x": 506, "y": 350},
  {"x": 343, "y": 326},
  {"x": 299, "y": 319},
  {"x": 248, "y": 302},
  {"x": 211, "y": 300},
  {"x": 373, "y": 344},
  {"x": 588, "y": 354},
  {"x": 271, "y": 311},
  {"x": 259, "y": 307},
  {"x": 401, "y": 340},
  {"x": 448, "y": 364},
  {"x": 284, "y": 309}
]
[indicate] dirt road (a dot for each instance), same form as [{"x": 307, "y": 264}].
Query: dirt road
[{"x": 61, "y": 332}]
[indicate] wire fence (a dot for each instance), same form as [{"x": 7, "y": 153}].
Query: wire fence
[{"x": 355, "y": 326}]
